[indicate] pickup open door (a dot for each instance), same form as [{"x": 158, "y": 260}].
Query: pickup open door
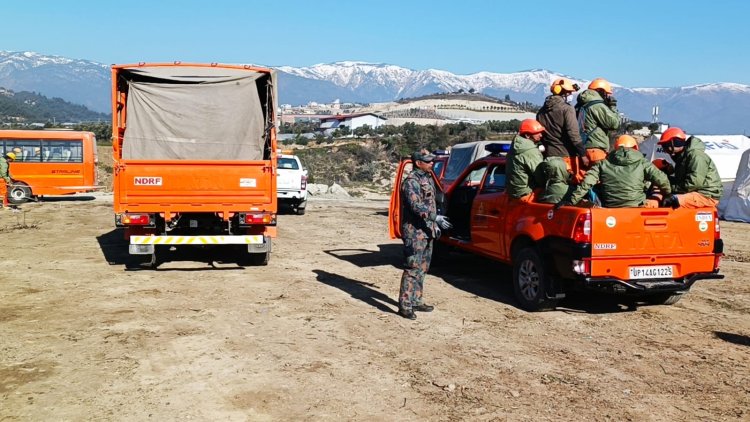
[{"x": 395, "y": 210}]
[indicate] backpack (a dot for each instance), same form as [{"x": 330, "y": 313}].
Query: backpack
[{"x": 581, "y": 110}]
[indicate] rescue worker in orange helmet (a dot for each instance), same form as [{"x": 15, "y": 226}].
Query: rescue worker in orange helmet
[
  {"x": 622, "y": 178},
  {"x": 596, "y": 110},
  {"x": 5, "y": 175},
  {"x": 522, "y": 171},
  {"x": 696, "y": 179},
  {"x": 561, "y": 136}
]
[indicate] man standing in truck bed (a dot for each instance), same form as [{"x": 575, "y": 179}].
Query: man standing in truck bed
[
  {"x": 420, "y": 227},
  {"x": 561, "y": 137}
]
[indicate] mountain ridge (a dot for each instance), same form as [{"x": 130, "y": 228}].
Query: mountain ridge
[{"x": 718, "y": 107}]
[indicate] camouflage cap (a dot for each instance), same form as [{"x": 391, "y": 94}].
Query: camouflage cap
[{"x": 422, "y": 156}]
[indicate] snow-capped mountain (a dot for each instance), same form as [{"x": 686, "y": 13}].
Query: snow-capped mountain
[
  {"x": 79, "y": 81},
  {"x": 708, "y": 108}
]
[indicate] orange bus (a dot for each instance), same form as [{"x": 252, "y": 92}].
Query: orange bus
[{"x": 50, "y": 162}]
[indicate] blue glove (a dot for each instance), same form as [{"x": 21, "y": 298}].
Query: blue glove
[{"x": 443, "y": 223}]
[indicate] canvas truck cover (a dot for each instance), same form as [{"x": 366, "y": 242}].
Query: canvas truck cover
[{"x": 195, "y": 113}]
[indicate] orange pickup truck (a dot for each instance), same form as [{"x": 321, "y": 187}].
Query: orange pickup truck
[
  {"x": 195, "y": 158},
  {"x": 655, "y": 254}
]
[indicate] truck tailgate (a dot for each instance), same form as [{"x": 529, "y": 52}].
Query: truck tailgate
[
  {"x": 183, "y": 186},
  {"x": 642, "y": 243}
]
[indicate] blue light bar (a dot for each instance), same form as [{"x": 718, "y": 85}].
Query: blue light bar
[{"x": 497, "y": 149}]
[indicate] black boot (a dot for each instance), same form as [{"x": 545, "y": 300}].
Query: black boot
[
  {"x": 423, "y": 308},
  {"x": 407, "y": 313}
]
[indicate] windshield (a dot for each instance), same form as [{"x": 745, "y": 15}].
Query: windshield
[{"x": 288, "y": 163}]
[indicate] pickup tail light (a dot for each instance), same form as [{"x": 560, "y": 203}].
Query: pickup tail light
[
  {"x": 303, "y": 184},
  {"x": 250, "y": 218},
  {"x": 717, "y": 226},
  {"x": 134, "y": 219},
  {"x": 582, "y": 228},
  {"x": 582, "y": 267}
]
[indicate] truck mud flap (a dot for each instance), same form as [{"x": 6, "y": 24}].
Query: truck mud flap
[{"x": 264, "y": 247}]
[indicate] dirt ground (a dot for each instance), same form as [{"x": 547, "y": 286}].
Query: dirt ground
[{"x": 314, "y": 335}]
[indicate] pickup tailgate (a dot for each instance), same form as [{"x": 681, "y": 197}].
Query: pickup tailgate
[
  {"x": 194, "y": 186},
  {"x": 289, "y": 180},
  {"x": 642, "y": 243}
]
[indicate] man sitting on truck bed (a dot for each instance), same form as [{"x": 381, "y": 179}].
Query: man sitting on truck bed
[
  {"x": 696, "y": 179},
  {"x": 622, "y": 176},
  {"x": 522, "y": 170}
]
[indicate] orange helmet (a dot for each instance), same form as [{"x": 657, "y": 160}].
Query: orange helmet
[
  {"x": 601, "y": 83},
  {"x": 672, "y": 133},
  {"x": 531, "y": 127},
  {"x": 562, "y": 85},
  {"x": 626, "y": 141}
]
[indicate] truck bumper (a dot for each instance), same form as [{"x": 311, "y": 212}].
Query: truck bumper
[
  {"x": 144, "y": 245},
  {"x": 637, "y": 287}
]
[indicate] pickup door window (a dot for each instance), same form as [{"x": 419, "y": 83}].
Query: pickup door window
[
  {"x": 461, "y": 200},
  {"x": 487, "y": 212}
]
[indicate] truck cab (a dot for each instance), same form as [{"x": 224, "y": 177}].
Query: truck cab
[{"x": 653, "y": 254}]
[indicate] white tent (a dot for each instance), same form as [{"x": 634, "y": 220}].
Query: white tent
[
  {"x": 725, "y": 150},
  {"x": 735, "y": 206}
]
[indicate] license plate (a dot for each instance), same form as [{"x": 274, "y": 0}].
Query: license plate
[{"x": 652, "y": 271}]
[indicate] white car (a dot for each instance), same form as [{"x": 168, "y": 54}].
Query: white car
[{"x": 291, "y": 182}]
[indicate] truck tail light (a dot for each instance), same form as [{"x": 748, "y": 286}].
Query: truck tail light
[
  {"x": 134, "y": 219},
  {"x": 247, "y": 218},
  {"x": 717, "y": 226},
  {"x": 303, "y": 184},
  {"x": 582, "y": 228}
]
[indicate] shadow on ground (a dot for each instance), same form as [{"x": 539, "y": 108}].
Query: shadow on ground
[
  {"x": 114, "y": 248},
  {"x": 481, "y": 277},
  {"x": 738, "y": 339},
  {"x": 358, "y": 290}
]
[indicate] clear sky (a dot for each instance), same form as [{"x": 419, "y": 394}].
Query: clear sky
[{"x": 633, "y": 43}]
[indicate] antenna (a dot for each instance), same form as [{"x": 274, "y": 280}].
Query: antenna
[{"x": 655, "y": 114}]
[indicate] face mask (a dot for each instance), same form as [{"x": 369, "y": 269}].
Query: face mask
[
  {"x": 541, "y": 148},
  {"x": 569, "y": 99}
]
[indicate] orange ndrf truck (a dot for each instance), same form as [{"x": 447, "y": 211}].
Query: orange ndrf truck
[
  {"x": 195, "y": 157},
  {"x": 654, "y": 254}
]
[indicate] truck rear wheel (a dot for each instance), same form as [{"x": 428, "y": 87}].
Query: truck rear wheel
[{"x": 530, "y": 281}]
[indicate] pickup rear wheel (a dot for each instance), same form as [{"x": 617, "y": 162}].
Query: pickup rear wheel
[{"x": 530, "y": 281}]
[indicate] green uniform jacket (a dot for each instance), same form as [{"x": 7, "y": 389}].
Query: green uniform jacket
[
  {"x": 622, "y": 176},
  {"x": 5, "y": 170},
  {"x": 600, "y": 119},
  {"x": 522, "y": 172},
  {"x": 557, "y": 185},
  {"x": 695, "y": 171}
]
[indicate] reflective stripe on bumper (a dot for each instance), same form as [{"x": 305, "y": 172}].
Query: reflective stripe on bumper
[{"x": 197, "y": 240}]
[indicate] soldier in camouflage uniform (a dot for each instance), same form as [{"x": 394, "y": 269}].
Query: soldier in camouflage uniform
[{"x": 420, "y": 225}]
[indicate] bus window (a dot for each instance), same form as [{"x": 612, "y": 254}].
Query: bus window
[
  {"x": 62, "y": 152},
  {"x": 24, "y": 150}
]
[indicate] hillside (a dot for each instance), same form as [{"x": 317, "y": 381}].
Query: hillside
[{"x": 30, "y": 107}]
